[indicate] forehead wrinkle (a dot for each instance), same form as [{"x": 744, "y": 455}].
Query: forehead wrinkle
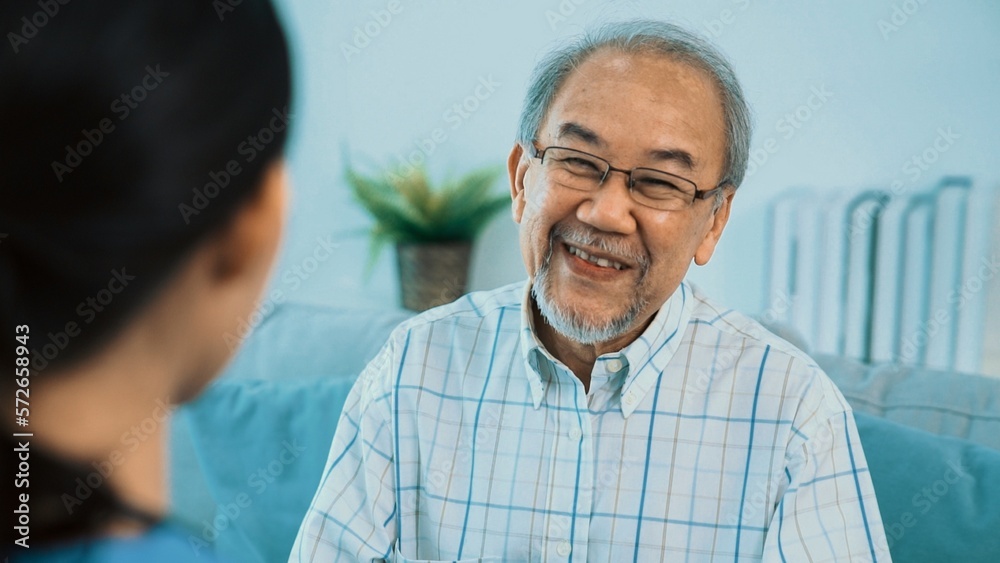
[
  {"x": 607, "y": 65},
  {"x": 577, "y": 131},
  {"x": 679, "y": 156}
]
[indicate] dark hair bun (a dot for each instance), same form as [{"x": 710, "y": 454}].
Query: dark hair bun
[{"x": 130, "y": 131}]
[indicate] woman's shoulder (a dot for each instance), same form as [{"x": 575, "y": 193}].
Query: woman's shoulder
[{"x": 165, "y": 542}]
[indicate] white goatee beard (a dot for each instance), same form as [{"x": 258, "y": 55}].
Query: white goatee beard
[{"x": 569, "y": 321}]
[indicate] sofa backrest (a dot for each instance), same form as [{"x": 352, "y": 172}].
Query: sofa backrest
[
  {"x": 249, "y": 454},
  {"x": 944, "y": 403},
  {"x": 300, "y": 340}
]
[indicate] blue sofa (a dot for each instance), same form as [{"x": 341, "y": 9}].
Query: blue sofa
[{"x": 247, "y": 456}]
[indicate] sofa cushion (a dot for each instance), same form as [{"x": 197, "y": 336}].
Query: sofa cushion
[
  {"x": 938, "y": 496},
  {"x": 261, "y": 447},
  {"x": 278, "y": 403},
  {"x": 945, "y": 403},
  {"x": 300, "y": 340},
  {"x": 294, "y": 341}
]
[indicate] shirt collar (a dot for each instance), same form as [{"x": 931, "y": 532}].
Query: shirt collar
[
  {"x": 645, "y": 358},
  {"x": 538, "y": 361}
]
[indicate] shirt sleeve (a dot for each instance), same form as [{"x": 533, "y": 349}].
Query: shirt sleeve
[
  {"x": 353, "y": 514},
  {"x": 828, "y": 511}
]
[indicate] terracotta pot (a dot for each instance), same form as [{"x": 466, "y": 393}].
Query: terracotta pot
[{"x": 432, "y": 274}]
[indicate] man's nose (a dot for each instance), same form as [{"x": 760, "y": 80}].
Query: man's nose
[{"x": 609, "y": 208}]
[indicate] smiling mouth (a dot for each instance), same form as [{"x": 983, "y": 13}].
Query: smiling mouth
[{"x": 601, "y": 262}]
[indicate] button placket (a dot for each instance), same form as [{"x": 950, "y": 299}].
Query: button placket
[{"x": 568, "y": 455}]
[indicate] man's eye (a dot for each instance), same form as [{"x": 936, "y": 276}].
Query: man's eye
[
  {"x": 657, "y": 186},
  {"x": 582, "y": 164}
]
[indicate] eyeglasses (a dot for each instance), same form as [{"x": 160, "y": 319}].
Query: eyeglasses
[{"x": 585, "y": 172}]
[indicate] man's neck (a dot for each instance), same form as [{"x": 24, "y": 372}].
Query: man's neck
[{"x": 580, "y": 358}]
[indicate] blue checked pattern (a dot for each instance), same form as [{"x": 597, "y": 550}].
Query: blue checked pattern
[{"x": 706, "y": 439}]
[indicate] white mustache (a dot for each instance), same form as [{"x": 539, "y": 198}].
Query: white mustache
[{"x": 579, "y": 235}]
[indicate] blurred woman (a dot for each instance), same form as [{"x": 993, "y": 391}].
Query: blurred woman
[{"x": 142, "y": 199}]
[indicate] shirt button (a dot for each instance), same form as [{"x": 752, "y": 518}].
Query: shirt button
[
  {"x": 575, "y": 434},
  {"x": 564, "y": 549},
  {"x": 613, "y": 366},
  {"x": 630, "y": 399}
]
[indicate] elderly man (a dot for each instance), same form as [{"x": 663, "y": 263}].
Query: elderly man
[{"x": 605, "y": 410}]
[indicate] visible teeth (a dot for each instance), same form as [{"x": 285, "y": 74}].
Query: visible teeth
[{"x": 602, "y": 262}]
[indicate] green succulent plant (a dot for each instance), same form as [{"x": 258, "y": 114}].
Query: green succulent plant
[{"x": 407, "y": 208}]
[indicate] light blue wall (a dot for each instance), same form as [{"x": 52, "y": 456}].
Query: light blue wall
[{"x": 893, "y": 86}]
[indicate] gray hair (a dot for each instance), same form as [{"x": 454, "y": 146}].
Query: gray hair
[{"x": 643, "y": 36}]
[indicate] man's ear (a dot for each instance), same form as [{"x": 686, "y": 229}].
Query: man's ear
[
  {"x": 517, "y": 166},
  {"x": 718, "y": 221}
]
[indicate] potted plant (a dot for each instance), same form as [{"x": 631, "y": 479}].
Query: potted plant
[{"x": 433, "y": 228}]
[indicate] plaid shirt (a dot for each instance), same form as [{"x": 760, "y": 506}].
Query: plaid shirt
[{"x": 706, "y": 439}]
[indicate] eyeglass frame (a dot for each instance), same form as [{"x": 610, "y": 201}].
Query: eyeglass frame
[{"x": 698, "y": 194}]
